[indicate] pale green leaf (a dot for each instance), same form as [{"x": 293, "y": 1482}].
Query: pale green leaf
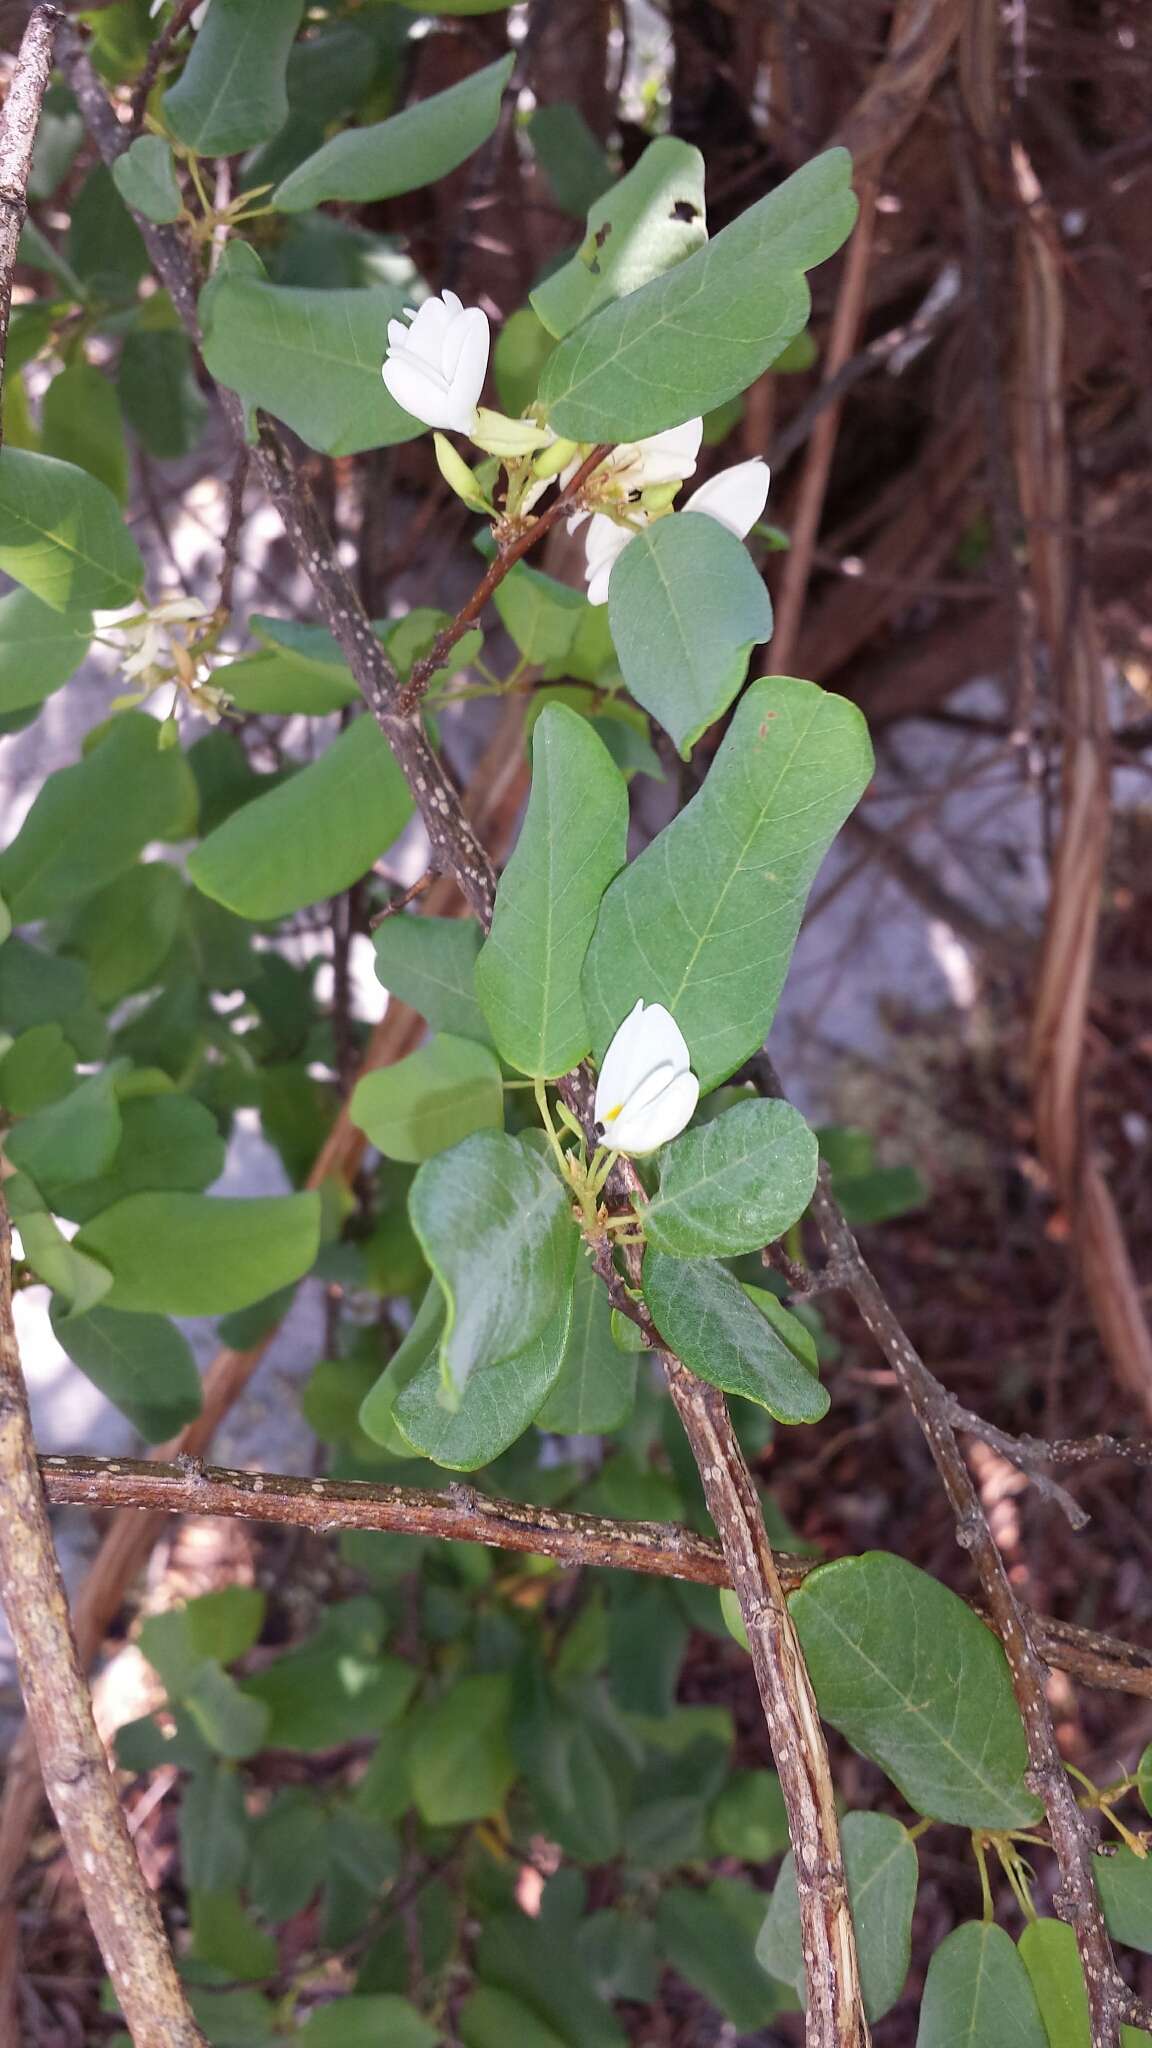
[
  {"x": 272, "y": 684},
  {"x": 40, "y": 648},
  {"x": 540, "y": 615},
  {"x": 460, "y": 1765},
  {"x": 708, "y": 1937},
  {"x": 159, "y": 395},
  {"x": 497, "y": 1404},
  {"x": 573, "y": 840},
  {"x": 90, "y": 821},
  {"x": 734, "y": 1184},
  {"x": 704, "y": 1315},
  {"x": 167, "y": 1141},
  {"x": 81, "y": 423},
  {"x": 124, "y": 933},
  {"x": 62, "y": 534},
  {"x": 595, "y": 1390},
  {"x": 705, "y": 920},
  {"x": 572, "y": 157},
  {"x": 314, "y": 835},
  {"x": 523, "y": 346},
  {"x": 313, "y": 358},
  {"x": 977, "y": 1994},
  {"x": 882, "y": 1873},
  {"x": 916, "y": 1681},
  {"x": 36, "y": 1069},
  {"x": 686, "y": 608},
  {"x": 142, "y": 1364},
  {"x": 494, "y": 1225},
  {"x": 1050, "y": 1956},
  {"x": 430, "y": 963},
  {"x": 198, "y": 1255},
  {"x": 687, "y": 341},
  {"x": 72, "y": 1139},
  {"x": 644, "y": 225},
  {"x": 419, "y": 1347},
  {"x": 214, "y": 1828},
  {"x": 492, "y": 2019},
  {"x": 1144, "y": 1778},
  {"x": 369, "y": 2022},
  {"x": 411, "y": 149},
  {"x": 432, "y": 1099},
  {"x": 80, "y": 1281},
  {"x": 1124, "y": 1881},
  {"x": 233, "y": 91},
  {"x": 146, "y": 179},
  {"x": 749, "y": 1820}
]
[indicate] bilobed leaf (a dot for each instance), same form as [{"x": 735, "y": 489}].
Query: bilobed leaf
[
  {"x": 36, "y": 1069},
  {"x": 702, "y": 1311},
  {"x": 367, "y": 2022},
  {"x": 704, "y": 921},
  {"x": 749, "y": 1819},
  {"x": 1050, "y": 1956},
  {"x": 335, "y": 1689},
  {"x": 232, "y": 1724},
  {"x": 233, "y": 93},
  {"x": 40, "y": 648},
  {"x": 220, "y": 1626},
  {"x": 430, "y": 963},
  {"x": 159, "y": 395},
  {"x": 313, "y": 836},
  {"x": 688, "y": 341},
  {"x": 62, "y": 535},
  {"x": 734, "y": 1184},
  {"x": 40, "y": 988},
  {"x": 310, "y": 357},
  {"x": 272, "y": 683},
  {"x": 459, "y": 1764},
  {"x": 882, "y": 1873},
  {"x": 914, "y": 1680},
  {"x": 166, "y": 1141},
  {"x": 708, "y": 1938},
  {"x": 124, "y": 933},
  {"x": 409, "y": 150},
  {"x": 496, "y": 1406},
  {"x": 72, "y": 1139},
  {"x": 491, "y": 2019},
  {"x": 644, "y": 225},
  {"x": 78, "y": 1280},
  {"x": 1124, "y": 1881},
  {"x": 686, "y": 608},
  {"x": 539, "y": 614},
  {"x": 81, "y": 423},
  {"x": 523, "y": 346},
  {"x": 142, "y": 1364},
  {"x": 595, "y": 1390},
  {"x": 90, "y": 821},
  {"x": 198, "y": 1255},
  {"x": 494, "y": 1225},
  {"x": 572, "y": 842},
  {"x": 534, "y": 1960},
  {"x": 145, "y": 178},
  {"x": 977, "y": 1994},
  {"x": 430, "y": 1100}
]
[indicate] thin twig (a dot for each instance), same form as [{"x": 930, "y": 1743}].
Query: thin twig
[
  {"x": 230, "y": 545},
  {"x": 19, "y": 120},
  {"x": 119, "y": 1905},
  {"x": 1076, "y": 1898},
  {"x": 1030, "y": 1453},
  {"x": 177, "y": 22}
]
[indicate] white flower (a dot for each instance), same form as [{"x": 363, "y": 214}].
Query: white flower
[
  {"x": 735, "y": 497},
  {"x": 435, "y": 368},
  {"x": 150, "y": 654},
  {"x": 637, "y": 466},
  {"x": 647, "y": 1091}
]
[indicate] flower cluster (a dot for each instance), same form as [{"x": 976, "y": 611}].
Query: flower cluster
[
  {"x": 152, "y": 654},
  {"x": 435, "y": 368}
]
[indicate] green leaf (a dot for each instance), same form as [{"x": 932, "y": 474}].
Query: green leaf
[
  {"x": 419, "y": 1347},
  {"x": 686, "y": 607},
  {"x": 77, "y": 1279},
  {"x": 914, "y": 1680},
  {"x": 877, "y": 1197},
  {"x": 105, "y": 246},
  {"x": 459, "y": 1764},
  {"x": 232, "y": 1725},
  {"x": 289, "y": 1854},
  {"x": 124, "y": 934},
  {"x": 708, "y": 1938},
  {"x": 523, "y": 346},
  {"x": 572, "y": 158},
  {"x": 572, "y": 842},
  {"x": 705, "y": 920},
  {"x": 159, "y": 395},
  {"x": 166, "y": 1141},
  {"x": 595, "y": 1390},
  {"x": 1052, "y": 1960},
  {"x": 366, "y": 2022},
  {"x": 89, "y": 822},
  {"x": 232, "y": 2019},
  {"x": 491, "y": 2019},
  {"x": 40, "y": 648},
  {"x": 142, "y": 1364},
  {"x": 703, "y": 1313},
  {"x": 320, "y": 1697},
  {"x": 214, "y": 1829},
  {"x": 430, "y": 963},
  {"x": 642, "y": 227},
  {"x": 430, "y": 1100},
  {"x": 310, "y": 357},
  {"x": 224, "y": 1936},
  {"x": 620, "y": 1954},
  {"x": 72, "y": 1139},
  {"x": 495, "y": 1408},
  {"x": 81, "y": 423},
  {"x": 233, "y": 92},
  {"x": 749, "y": 1819},
  {"x": 494, "y": 1225},
  {"x": 145, "y": 177},
  {"x": 977, "y": 1994},
  {"x": 1144, "y": 1778},
  {"x": 36, "y": 1069},
  {"x": 215, "y": 1628},
  {"x": 733, "y": 1185},
  {"x": 410, "y": 150},
  {"x": 198, "y": 1255},
  {"x": 535, "y": 1961},
  {"x": 1125, "y": 1885},
  {"x": 313, "y": 836},
  {"x": 687, "y": 341},
  {"x": 40, "y": 988},
  {"x": 272, "y": 683},
  {"x": 540, "y": 615},
  {"x": 882, "y": 1872},
  {"x": 62, "y": 535}
]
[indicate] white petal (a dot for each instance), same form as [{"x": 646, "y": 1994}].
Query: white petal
[
  {"x": 665, "y": 1039},
  {"x": 428, "y": 329},
  {"x": 649, "y": 1039},
  {"x": 604, "y": 543},
  {"x": 450, "y": 299},
  {"x": 736, "y": 497},
  {"x": 465, "y": 358},
  {"x": 646, "y": 1128},
  {"x": 420, "y": 393},
  {"x": 668, "y": 457},
  {"x": 398, "y": 332}
]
